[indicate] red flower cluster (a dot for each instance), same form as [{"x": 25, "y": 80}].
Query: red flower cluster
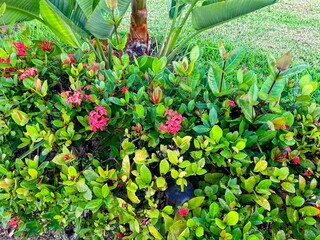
[
  {"x": 296, "y": 160},
  {"x": 7, "y": 70},
  {"x": 21, "y": 48},
  {"x": 98, "y": 118},
  {"x": 13, "y": 223},
  {"x": 173, "y": 124},
  {"x": 75, "y": 99},
  {"x": 70, "y": 60},
  {"x": 124, "y": 89},
  {"x": 46, "y": 45},
  {"x": 31, "y": 72},
  {"x": 183, "y": 212}
]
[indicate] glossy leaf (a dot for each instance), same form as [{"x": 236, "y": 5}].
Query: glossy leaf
[{"x": 210, "y": 15}]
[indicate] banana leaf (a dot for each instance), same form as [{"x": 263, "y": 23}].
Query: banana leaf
[
  {"x": 59, "y": 24},
  {"x": 96, "y": 24},
  {"x": 21, "y": 10},
  {"x": 207, "y": 16}
]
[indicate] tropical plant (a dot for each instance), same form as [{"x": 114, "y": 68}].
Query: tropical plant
[
  {"x": 146, "y": 151},
  {"x": 89, "y": 17}
]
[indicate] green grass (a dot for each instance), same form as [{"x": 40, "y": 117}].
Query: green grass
[{"x": 289, "y": 25}]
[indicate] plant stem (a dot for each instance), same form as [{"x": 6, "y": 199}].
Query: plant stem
[
  {"x": 222, "y": 75},
  {"x": 269, "y": 91},
  {"x": 101, "y": 53},
  {"x": 173, "y": 35},
  {"x": 115, "y": 27}
]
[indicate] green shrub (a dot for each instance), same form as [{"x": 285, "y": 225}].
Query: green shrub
[{"x": 147, "y": 151}]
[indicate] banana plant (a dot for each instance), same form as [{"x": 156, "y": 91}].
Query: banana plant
[
  {"x": 69, "y": 18},
  {"x": 205, "y": 15},
  {"x": 66, "y": 18}
]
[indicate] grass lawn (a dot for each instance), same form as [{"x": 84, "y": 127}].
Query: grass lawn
[{"x": 289, "y": 25}]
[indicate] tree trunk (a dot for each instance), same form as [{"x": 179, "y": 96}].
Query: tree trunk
[
  {"x": 138, "y": 41},
  {"x": 139, "y": 26}
]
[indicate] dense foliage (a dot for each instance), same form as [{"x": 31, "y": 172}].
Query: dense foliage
[{"x": 155, "y": 150}]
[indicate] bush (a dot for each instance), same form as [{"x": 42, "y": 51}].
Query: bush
[{"x": 145, "y": 151}]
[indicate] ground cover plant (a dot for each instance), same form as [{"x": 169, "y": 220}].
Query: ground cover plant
[{"x": 151, "y": 149}]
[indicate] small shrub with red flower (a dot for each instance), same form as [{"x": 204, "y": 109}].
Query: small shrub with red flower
[{"x": 141, "y": 151}]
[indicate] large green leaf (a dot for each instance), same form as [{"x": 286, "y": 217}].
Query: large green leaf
[
  {"x": 72, "y": 10},
  {"x": 86, "y": 6},
  {"x": 58, "y": 23},
  {"x": 21, "y": 10},
  {"x": 207, "y": 16},
  {"x": 96, "y": 24},
  {"x": 277, "y": 87}
]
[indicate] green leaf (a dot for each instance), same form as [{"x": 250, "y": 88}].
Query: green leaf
[
  {"x": 96, "y": 21},
  {"x": 58, "y": 23},
  {"x": 81, "y": 185},
  {"x": 212, "y": 81},
  {"x": 281, "y": 235},
  {"x": 216, "y": 133},
  {"x": 210, "y": 15},
  {"x": 173, "y": 156},
  {"x": 260, "y": 166},
  {"x": 126, "y": 167},
  {"x": 195, "y": 202},
  {"x": 264, "y": 184},
  {"x": 133, "y": 197},
  {"x": 105, "y": 190},
  {"x": 22, "y": 10},
  {"x": 249, "y": 184},
  {"x": 309, "y": 211},
  {"x": 164, "y": 166},
  {"x": 139, "y": 110},
  {"x": 199, "y": 231},
  {"x": 235, "y": 60},
  {"x": 263, "y": 202},
  {"x": 232, "y": 218},
  {"x": 194, "y": 54},
  {"x": 145, "y": 174},
  {"x": 94, "y": 205},
  {"x": 21, "y": 118},
  {"x": 140, "y": 156},
  {"x": 297, "y": 201},
  {"x": 33, "y": 173},
  {"x": 201, "y": 129},
  {"x": 154, "y": 232},
  {"x": 289, "y": 187}
]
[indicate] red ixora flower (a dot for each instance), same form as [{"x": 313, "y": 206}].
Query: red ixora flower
[
  {"x": 173, "y": 124},
  {"x": 46, "y": 45},
  {"x": 120, "y": 236},
  {"x": 74, "y": 99},
  {"x": 183, "y": 212},
  {"x": 70, "y": 60},
  {"x": 317, "y": 207},
  {"x": 124, "y": 89},
  {"x": 308, "y": 173},
  {"x": 31, "y": 72},
  {"x": 21, "y": 48},
  {"x": 232, "y": 103},
  {"x": 296, "y": 160},
  {"x": 98, "y": 118},
  {"x": 13, "y": 223}
]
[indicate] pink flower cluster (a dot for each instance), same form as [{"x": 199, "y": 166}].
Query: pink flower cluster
[
  {"x": 98, "y": 118},
  {"x": 21, "y": 48},
  {"x": 13, "y": 223},
  {"x": 31, "y": 72},
  {"x": 173, "y": 124},
  {"x": 75, "y": 98}
]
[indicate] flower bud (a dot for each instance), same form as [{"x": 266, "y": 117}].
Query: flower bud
[{"x": 112, "y": 4}]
